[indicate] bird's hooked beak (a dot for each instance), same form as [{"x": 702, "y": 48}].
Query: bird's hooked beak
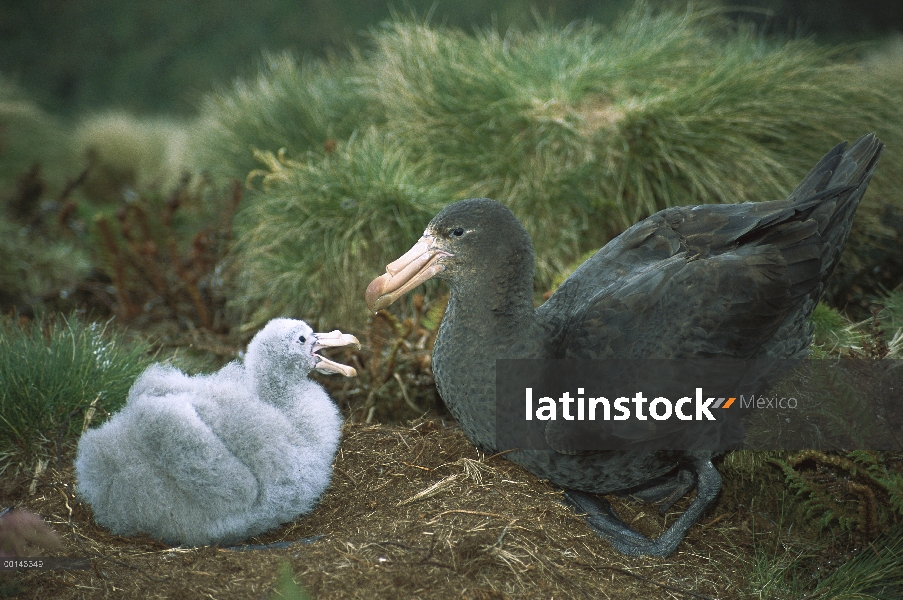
[
  {"x": 330, "y": 340},
  {"x": 404, "y": 274}
]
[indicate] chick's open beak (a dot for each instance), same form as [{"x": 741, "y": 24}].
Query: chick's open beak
[
  {"x": 330, "y": 340},
  {"x": 404, "y": 274}
]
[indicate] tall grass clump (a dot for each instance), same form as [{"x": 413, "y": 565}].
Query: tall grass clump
[
  {"x": 585, "y": 130},
  {"x": 886, "y": 59},
  {"x": 312, "y": 239},
  {"x": 54, "y": 372},
  {"x": 882, "y": 333},
  {"x": 791, "y": 566},
  {"x": 36, "y": 262},
  {"x": 783, "y": 570},
  {"x": 776, "y": 569},
  {"x": 876, "y": 573},
  {"x": 892, "y": 311},
  {"x": 34, "y": 269},
  {"x": 297, "y": 106},
  {"x": 127, "y": 151},
  {"x": 581, "y": 130},
  {"x": 833, "y": 332}
]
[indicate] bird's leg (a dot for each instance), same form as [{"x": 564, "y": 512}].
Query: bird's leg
[
  {"x": 601, "y": 517},
  {"x": 603, "y": 520},
  {"x": 665, "y": 491}
]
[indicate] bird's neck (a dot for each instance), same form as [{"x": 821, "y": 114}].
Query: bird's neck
[
  {"x": 476, "y": 331},
  {"x": 493, "y": 314},
  {"x": 279, "y": 386},
  {"x": 493, "y": 309},
  {"x": 502, "y": 295}
]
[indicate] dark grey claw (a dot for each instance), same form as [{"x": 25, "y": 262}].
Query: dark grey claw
[
  {"x": 665, "y": 491},
  {"x": 602, "y": 518}
]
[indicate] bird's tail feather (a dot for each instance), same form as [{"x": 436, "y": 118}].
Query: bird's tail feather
[
  {"x": 831, "y": 192},
  {"x": 840, "y": 167}
]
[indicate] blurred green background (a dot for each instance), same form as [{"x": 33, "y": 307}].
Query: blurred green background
[
  {"x": 213, "y": 164},
  {"x": 76, "y": 55}
]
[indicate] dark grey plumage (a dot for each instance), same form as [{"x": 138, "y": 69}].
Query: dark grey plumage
[{"x": 734, "y": 281}]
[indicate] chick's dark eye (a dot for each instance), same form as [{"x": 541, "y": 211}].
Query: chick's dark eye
[
  {"x": 458, "y": 231},
  {"x": 302, "y": 339}
]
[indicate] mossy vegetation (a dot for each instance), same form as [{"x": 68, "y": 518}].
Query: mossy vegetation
[
  {"x": 291, "y": 105},
  {"x": 31, "y": 273},
  {"x": 581, "y": 130},
  {"x": 56, "y": 374},
  {"x": 127, "y": 152},
  {"x": 324, "y": 224}
]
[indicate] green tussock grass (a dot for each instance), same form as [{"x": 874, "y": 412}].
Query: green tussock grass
[
  {"x": 891, "y": 321},
  {"x": 785, "y": 565},
  {"x": 886, "y": 59},
  {"x": 876, "y": 573},
  {"x": 581, "y": 130},
  {"x": 32, "y": 272},
  {"x": 291, "y": 105},
  {"x": 161, "y": 57},
  {"x": 127, "y": 150},
  {"x": 837, "y": 335},
  {"x": 833, "y": 331},
  {"x": 51, "y": 368},
  {"x": 775, "y": 570},
  {"x": 312, "y": 239},
  {"x": 892, "y": 309},
  {"x": 587, "y": 130}
]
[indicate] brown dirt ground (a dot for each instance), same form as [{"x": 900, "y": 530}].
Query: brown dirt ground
[{"x": 412, "y": 512}]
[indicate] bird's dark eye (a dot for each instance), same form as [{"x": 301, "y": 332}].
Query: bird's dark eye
[
  {"x": 458, "y": 231},
  {"x": 302, "y": 339}
]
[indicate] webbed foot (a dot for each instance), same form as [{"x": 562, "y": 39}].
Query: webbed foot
[
  {"x": 665, "y": 491},
  {"x": 603, "y": 519}
]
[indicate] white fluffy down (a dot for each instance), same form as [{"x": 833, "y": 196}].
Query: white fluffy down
[{"x": 215, "y": 458}]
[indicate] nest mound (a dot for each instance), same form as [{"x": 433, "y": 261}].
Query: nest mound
[{"x": 413, "y": 512}]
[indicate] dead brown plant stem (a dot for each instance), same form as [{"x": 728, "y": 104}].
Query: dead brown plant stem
[
  {"x": 231, "y": 207},
  {"x": 72, "y": 184},
  {"x": 116, "y": 262},
  {"x": 190, "y": 284}
]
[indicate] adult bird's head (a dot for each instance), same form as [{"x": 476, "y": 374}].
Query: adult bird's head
[{"x": 476, "y": 239}]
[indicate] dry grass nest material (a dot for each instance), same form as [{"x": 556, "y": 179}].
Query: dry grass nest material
[{"x": 412, "y": 512}]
